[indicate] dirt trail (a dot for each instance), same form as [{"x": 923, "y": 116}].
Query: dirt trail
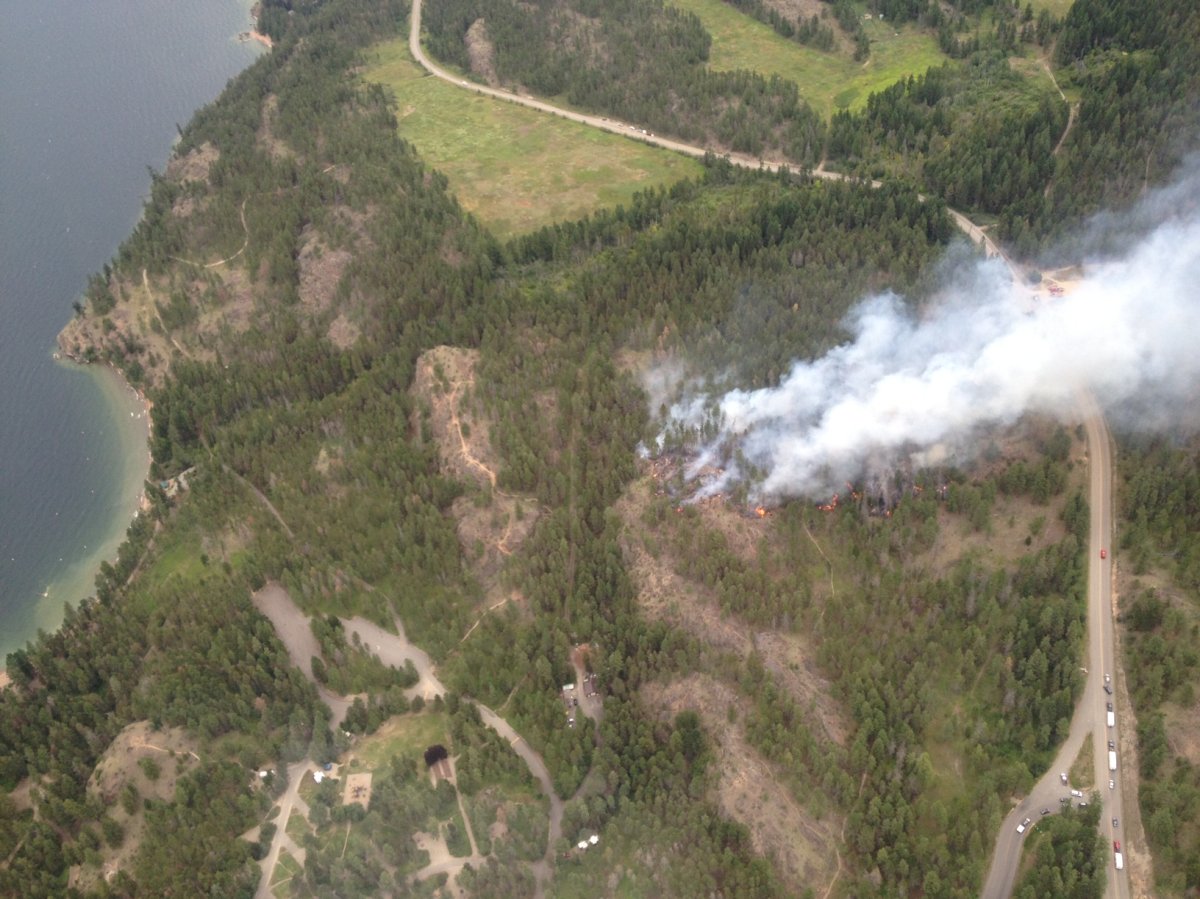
[
  {"x": 154, "y": 308},
  {"x": 227, "y": 259},
  {"x": 265, "y": 501},
  {"x": 1072, "y": 112}
]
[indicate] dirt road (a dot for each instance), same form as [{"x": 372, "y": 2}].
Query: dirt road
[
  {"x": 292, "y": 626},
  {"x": 291, "y": 799}
]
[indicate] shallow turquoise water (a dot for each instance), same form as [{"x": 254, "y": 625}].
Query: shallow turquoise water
[{"x": 90, "y": 96}]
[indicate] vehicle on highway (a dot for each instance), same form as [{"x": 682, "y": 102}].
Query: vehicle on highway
[
  {"x": 1120, "y": 861},
  {"x": 1024, "y": 824},
  {"x": 1104, "y": 553},
  {"x": 1108, "y": 706},
  {"x": 1116, "y": 824},
  {"x": 1108, "y": 689},
  {"x": 1112, "y": 719},
  {"x": 1063, "y": 777},
  {"x": 1112, "y": 761},
  {"x": 1108, "y": 678},
  {"x": 1116, "y": 845},
  {"x": 1112, "y": 784},
  {"x": 1112, "y": 745}
]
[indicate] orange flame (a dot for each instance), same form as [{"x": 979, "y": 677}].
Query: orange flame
[{"x": 760, "y": 512}]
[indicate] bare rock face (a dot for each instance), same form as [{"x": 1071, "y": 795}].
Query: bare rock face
[{"x": 480, "y": 52}]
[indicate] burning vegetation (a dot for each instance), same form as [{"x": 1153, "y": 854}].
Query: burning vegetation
[{"x": 684, "y": 476}]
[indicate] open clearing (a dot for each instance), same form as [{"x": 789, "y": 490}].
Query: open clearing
[
  {"x": 828, "y": 81},
  {"x": 803, "y": 848},
  {"x": 492, "y": 524},
  {"x": 665, "y": 595},
  {"x": 129, "y": 761},
  {"x": 516, "y": 169},
  {"x": 1058, "y": 8},
  {"x": 404, "y": 735}
]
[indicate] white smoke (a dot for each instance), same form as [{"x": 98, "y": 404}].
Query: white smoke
[{"x": 908, "y": 387}]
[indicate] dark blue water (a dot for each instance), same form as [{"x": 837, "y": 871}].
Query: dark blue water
[{"x": 90, "y": 96}]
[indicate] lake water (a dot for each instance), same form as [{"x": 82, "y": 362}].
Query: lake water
[{"x": 90, "y": 96}]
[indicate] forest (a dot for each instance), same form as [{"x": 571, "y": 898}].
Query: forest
[
  {"x": 639, "y": 60},
  {"x": 946, "y": 633},
  {"x": 1162, "y": 621}
]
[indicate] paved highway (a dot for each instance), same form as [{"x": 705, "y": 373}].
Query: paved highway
[{"x": 1089, "y": 720}]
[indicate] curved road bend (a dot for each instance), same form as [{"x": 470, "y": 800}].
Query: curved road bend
[
  {"x": 292, "y": 626},
  {"x": 1089, "y": 717},
  {"x": 633, "y": 132}
]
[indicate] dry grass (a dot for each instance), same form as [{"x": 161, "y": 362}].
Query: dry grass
[
  {"x": 1083, "y": 774},
  {"x": 803, "y": 848},
  {"x": 665, "y": 595},
  {"x": 172, "y": 750}
]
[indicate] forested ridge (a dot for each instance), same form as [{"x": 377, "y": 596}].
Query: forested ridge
[
  {"x": 1159, "y": 507},
  {"x": 945, "y": 636}
]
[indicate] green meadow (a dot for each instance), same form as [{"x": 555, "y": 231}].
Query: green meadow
[
  {"x": 514, "y": 168},
  {"x": 828, "y": 81}
]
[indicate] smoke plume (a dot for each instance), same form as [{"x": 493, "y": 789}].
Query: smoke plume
[{"x": 915, "y": 388}]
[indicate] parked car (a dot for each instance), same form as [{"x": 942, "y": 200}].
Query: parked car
[
  {"x": 1046, "y": 811},
  {"x": 1024, "y": 824}
]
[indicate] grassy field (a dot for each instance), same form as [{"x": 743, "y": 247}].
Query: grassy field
[
  {"x": 1083, "y": 771},
  {"x": 1058, "y": 8},
  {"x": 285, "y": 870},
  {"x": 828, "y": 81},
  {"x": 516, "y": 169},
  {"x": 407, "y": 735}
]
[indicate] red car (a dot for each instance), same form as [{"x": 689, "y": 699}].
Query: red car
[
  {"x": 1116, "y": 845},
  {"x": 1104, "y": 553}
]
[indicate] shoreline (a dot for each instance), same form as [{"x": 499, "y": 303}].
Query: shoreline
[
  {"x": 255, "y": 35},
  {"x": 129, "y": 410}
]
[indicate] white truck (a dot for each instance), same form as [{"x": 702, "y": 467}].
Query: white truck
[
  {"x": 1112, "y": 761},
  {"x": 1112, "y": 719},
  {"x": 1120, "y": 861}
]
